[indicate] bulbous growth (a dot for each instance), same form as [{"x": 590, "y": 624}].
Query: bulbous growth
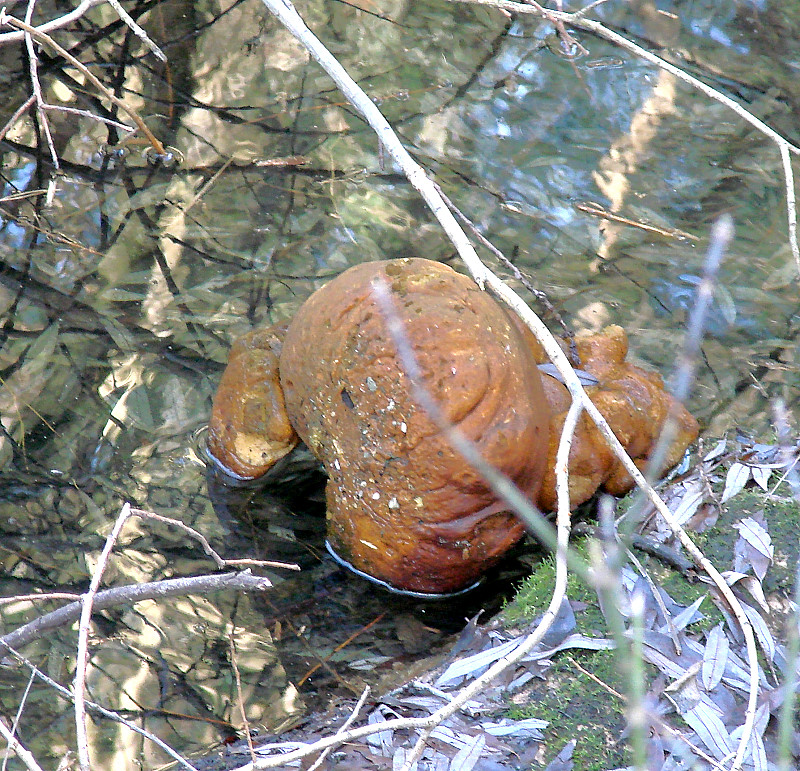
[{"x": 403, "y": 506}]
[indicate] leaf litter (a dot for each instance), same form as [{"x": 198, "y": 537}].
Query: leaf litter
[{"x": 697, "y": 688}]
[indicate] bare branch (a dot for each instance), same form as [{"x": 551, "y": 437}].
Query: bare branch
[
  {"x": 285, "y": 11},
  {"x": 18, "y": 748},
  {"x": 127, "y": 595},
  {"x": 137, "y": 30},
  {"x": 59, "y": 23},
  {"x": 41, "y": 37}
]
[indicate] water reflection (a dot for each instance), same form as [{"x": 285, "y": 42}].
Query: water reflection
[{"x": 119, "y": 300}]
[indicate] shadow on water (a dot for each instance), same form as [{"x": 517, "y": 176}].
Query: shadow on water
[{"x": 119, "y": 299}]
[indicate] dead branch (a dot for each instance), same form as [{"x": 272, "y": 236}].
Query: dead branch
[
  {"x": 45, "y": 39},
  {"x": 289, "y": 17},
  {"x": 16, "y": 746},
  {"x": 128, "y": 595},
  {"x": 62, "y": 21}
]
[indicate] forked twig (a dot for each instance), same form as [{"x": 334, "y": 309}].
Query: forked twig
[
  {"x": 45, "y": 39},
  {"x": 203, "y": 541}
]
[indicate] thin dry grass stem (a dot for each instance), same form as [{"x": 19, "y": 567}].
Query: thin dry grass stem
[
  {"x": 596, "y": 210},
  {"x": 720, "y": 239},
  {"x": 203, "y": 541},
  {"x": 90, "y": 115},
  {"x": 239, "y": 695},
  {"x": 204, "y": 188},
  {"x": 578, "y": 20},
  {"x": 636, "y": 714},
  {"x": 45, "y": 39},
  {"x": 351, "y": 718},
  {"x": 65, "y": 693},
  {"x": 16, "y": 746},
  {"x": 82, "y": 658}
]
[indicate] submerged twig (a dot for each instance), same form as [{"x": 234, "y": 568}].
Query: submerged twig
[
  {"x": 518, "y": 274},
  {"x": 127, "y": 595},
  {"x": 45, "y": 39},
  {"x": 203, "y": 541},
  {"x": 96, "y": 708},
  {"x": 590, "y": 25}
]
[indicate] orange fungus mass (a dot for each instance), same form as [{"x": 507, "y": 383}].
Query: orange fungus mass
[{"x": 404, "y": 507}]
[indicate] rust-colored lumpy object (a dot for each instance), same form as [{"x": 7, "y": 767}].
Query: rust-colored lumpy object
[
  {"x": 403, "y": 506},
  {"x": 634, "y": 403}
]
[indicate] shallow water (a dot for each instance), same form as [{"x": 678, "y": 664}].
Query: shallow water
[{"x": 119, "y": 299}]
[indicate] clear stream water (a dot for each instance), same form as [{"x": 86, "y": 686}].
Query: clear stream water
[{"x": 120, "y": 297}]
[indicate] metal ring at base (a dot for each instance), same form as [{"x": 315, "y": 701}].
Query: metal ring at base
[{"x": 393, "y": 589}]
